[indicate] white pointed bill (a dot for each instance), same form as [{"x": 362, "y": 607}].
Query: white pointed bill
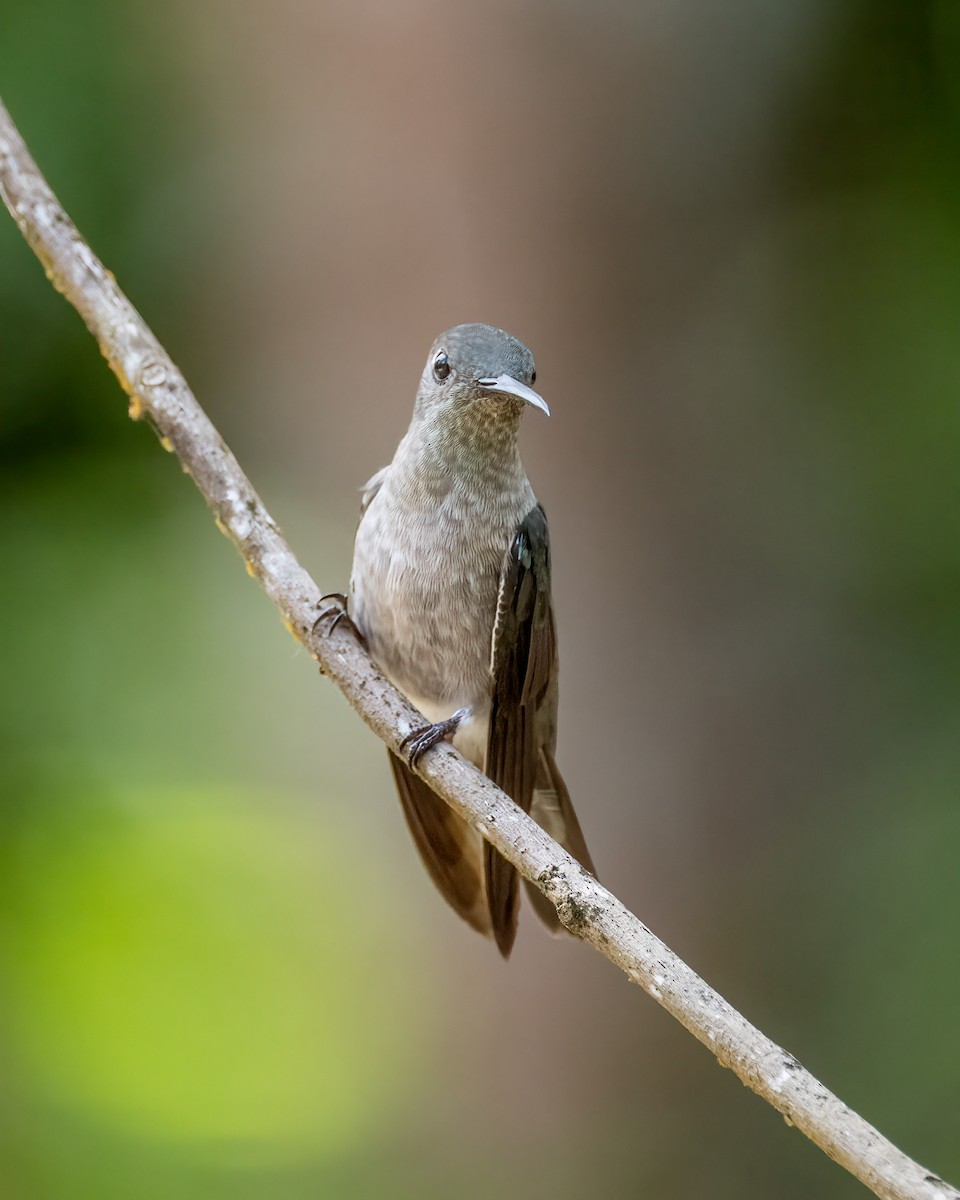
[{"x": 508, "y": 386}]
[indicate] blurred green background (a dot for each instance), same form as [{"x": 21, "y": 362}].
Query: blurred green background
[{"x": 731, "y": 235}]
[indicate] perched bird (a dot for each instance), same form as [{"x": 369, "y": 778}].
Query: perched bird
[{"x": 450, "y": 589}]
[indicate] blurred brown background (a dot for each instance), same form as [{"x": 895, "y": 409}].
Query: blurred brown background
[{"x": 730, "y": 234}]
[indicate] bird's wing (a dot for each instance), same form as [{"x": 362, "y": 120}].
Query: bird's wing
[
  {"x": 523, "y": 720},
  {"x": 523, "y": 665},
  {"x": 370, "y": 489}
]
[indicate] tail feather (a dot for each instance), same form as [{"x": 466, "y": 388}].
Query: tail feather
[
  {"x": 474, "y": 878},
  {"x": 448, "y": 847},
  {"x": 553, "y": 811}
]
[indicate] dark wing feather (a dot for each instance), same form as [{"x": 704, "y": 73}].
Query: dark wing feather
[
  {"x": 449, "y": 848},
  {"x": 524, "y": 658}
]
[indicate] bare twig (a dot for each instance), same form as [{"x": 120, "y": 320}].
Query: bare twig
[{"x": 159, "y": 393}]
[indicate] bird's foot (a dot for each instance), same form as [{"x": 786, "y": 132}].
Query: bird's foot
[
  {"x": 335, "y": 611},
  {"x": 419, "y": 741}
]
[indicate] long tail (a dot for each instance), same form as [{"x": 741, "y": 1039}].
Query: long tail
[
  {"x": 451, "y": 851},
  {"x": 475, "y": 879},
  {"x": 553, "y": 810}
]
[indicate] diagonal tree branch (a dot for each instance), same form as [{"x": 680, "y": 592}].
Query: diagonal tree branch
[{"x": 159, "y": 393}]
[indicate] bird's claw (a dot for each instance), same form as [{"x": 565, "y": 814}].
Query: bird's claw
[
  {"x": 337, "y": 610},
  {"x": 419, "y": 741}
]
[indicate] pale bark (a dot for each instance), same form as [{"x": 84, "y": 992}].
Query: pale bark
[{"x": 159, "y": 394}]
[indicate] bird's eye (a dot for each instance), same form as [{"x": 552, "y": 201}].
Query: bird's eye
[
  {"x": 533, "y": 377},
  {"x": 441, "y": 366}
]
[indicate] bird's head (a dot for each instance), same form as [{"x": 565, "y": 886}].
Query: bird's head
[{"x": 477, "y": 376}]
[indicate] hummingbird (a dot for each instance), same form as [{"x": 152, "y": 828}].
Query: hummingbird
[{"x": 450, "y": 590}]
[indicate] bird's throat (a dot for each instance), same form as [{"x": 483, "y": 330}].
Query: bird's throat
[{"x": 482, "y": 459}]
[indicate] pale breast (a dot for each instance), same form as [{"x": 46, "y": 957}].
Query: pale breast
[{"x": 424, "y": 591}]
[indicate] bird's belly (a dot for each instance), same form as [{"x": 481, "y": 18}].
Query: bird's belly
[{"x": 424, "y": 596}]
